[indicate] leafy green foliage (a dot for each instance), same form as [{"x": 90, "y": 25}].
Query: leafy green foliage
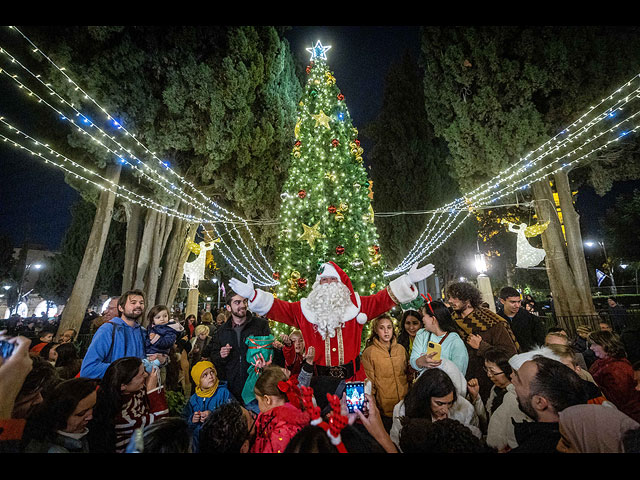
[
  {"x": 56, "y": 281},
  {"x": 408, "y": 163}
]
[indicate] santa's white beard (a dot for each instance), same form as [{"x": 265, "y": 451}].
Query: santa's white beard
[{"x": 328, "y": 302}]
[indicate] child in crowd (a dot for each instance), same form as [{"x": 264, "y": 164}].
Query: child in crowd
[
  {"x": 293, "y": 351},
  {"x": 162, "y": 334},
  {"x": 44, "y": 339},
  {"x": 385, "y": 364},
  {"x": 209, "y": 395},
  {"x": 278, "y": 420}
]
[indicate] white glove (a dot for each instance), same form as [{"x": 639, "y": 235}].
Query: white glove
[
  {"x": 245, "y": 290},
  {"x": 417, "y": 274}
]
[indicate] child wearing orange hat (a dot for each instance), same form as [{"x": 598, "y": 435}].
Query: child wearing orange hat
[{"x": 210, "y": 393}]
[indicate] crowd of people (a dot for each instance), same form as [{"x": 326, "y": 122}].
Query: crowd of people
[{"x": 451, "y": 376}]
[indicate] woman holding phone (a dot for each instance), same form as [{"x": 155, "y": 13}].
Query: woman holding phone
[{"x": 438, "y": 339}]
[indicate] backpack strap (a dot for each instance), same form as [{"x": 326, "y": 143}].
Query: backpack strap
[{"x": 113, "y": 335}]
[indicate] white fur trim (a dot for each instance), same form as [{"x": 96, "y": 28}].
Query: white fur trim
[
  {"x": 403, "y": 289},
  {"x": 262, "y": 303},
  {"x": 328, "y": 271},
  {"x": 350, "y": 313},
  {"x": 362, "y": 318}
]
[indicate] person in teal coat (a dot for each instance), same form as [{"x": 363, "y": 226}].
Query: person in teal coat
[
  {"x": 210, "y": 394},
  {"x": 440, "y": 328}
]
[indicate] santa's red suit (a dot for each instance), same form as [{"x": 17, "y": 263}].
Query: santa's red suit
[{"x": 343, "y": 348}]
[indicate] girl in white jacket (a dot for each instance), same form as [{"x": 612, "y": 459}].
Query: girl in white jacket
[{"x": 437, "y": 393}]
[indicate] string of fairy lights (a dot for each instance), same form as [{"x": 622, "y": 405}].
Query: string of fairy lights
[
  {"x": 215, "y": 215},
  {"x": 513, "y": 179},
  {"x": 569, "y": 148}
]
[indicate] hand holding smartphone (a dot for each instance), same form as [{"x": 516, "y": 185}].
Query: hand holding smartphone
[
  {"x": 354, "y": 392},
  {"x": 433, "y": 347}
]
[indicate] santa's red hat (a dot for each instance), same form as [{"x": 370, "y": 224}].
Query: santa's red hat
[{"x": 330, "y": 269}]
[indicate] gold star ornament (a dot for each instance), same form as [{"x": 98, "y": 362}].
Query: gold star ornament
[
  {"x": 311, "y": 234},
  {"x": 321, "y": 119}
]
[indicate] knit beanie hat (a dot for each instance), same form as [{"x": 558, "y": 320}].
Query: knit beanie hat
[{"x": 198, "y": 368}]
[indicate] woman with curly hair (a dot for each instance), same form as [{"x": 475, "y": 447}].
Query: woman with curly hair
[{"x": 613, "y": 372}]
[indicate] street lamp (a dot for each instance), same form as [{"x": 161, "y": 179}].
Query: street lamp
[
  {"x": 25, "y": 272},
  {"x": 606, "y": 259},
  {"x": 484, "y": 282}
]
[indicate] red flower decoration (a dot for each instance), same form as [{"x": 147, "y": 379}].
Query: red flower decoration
[
  {"x": 276, "y": 275},
  {"x": 298, "y": 143},
  {"x": 309, "y": 69},
  {"x": 332, "y": 209},
  {"x": 335, "y": 142},
  {"x": 357, "y": 142},
  {"x": 302, "y": 283},
  {"x": 340, "y": 97},
  {"x": 302, "y": 193},
  {"x": 339, "y": 249}
]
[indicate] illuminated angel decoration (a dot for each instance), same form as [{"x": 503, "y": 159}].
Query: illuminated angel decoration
[
  {"x": 194, "y": 271},
  {"x": 526, "y": 255}
]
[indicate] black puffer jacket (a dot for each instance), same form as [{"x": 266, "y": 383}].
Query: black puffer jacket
[{"x": 234, "y": 368}]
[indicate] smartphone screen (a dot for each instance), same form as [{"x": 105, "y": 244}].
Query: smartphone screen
[{"x": 355, "y": 396}]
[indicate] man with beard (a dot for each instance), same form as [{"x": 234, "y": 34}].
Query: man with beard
[
  {"x": 228, "y": 348},
  {"x": 120, "y": 337},
  {"x": 332, "y": 317},
  {"x": 544, "y": 388},
  {"x": 481, "y": 329}
]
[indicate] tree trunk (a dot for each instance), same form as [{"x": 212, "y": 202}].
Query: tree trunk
[
  {"x": 565, "y": 283},
  {"x": 132, "y": 244},
  {"x": 184, "y": 254},
  {"x": 146, "y": 245},
  {"x": 177, "y": 244},
  {"x": 162, "y": 229},
  {"x": 575, "y": 247},
  {"x": 78, "y": 302}
]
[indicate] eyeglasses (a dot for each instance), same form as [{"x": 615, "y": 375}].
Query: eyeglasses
[{"x": 491, "y": 373}]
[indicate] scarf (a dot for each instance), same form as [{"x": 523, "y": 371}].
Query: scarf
[
  {"x": 481, "y": 320},
  {"x": 595, "y": 428},
  {"x": 196, "y": 373}
]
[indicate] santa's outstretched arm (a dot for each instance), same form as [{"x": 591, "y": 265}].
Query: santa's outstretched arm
[
  {"x": 400, "y": 290},
  {"x": 403, "y": 288},
  {"x": 262, "y": 303}
]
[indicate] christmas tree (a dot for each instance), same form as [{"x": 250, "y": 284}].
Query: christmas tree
[{"x": 326, "y": 212}]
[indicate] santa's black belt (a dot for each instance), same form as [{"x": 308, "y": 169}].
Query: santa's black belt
[{"x": 346, "y": 370}]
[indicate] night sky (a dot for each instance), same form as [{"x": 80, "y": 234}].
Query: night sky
[{"x": 35, "y": 200}]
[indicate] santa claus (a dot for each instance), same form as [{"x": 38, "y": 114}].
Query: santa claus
[{"x": 332, "y": 317}]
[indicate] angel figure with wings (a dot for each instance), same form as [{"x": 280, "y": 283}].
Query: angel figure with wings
[{"x": 526, "y": 255}]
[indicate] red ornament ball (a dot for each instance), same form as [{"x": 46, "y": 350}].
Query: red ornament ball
[
  {"x": 298, "y": 143},
  {"x": 302, "y": 283},
  {"x": 302, "y": 193},
  {"x": 276, "y": 275},
  {"x": 339, "y": 250},
  {"x": 332, "y": 209}
]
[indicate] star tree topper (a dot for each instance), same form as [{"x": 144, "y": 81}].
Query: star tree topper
[
  {"x": 311, "y": 234},
  {"x": 318, "y": 51}
]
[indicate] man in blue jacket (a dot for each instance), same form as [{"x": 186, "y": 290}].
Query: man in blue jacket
[{"x": 121, "y": 337}]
